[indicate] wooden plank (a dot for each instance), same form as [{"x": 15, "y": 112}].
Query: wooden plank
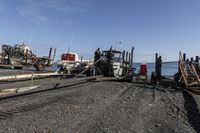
[{"x": 195, "y": 72}]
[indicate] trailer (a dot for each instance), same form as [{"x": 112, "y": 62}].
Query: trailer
[{"x": 20, "y": 55}]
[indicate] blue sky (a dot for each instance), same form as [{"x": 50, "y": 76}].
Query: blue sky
[{"x": 163, "y": 26}]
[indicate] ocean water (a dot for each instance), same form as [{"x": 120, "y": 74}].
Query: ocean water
[{"x": 167, "y": 69}]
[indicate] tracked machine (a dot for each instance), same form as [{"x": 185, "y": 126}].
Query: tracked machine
[{"x": 113, "y": 63}]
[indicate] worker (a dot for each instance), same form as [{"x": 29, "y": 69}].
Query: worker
[{"x": 97, "y": 56}]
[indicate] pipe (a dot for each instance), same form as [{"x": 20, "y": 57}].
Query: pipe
[
  {"x": 54, "y": 53},
  {"x": 50, "y": 51},
  {"x": 123, "y": 57},
  {"x": 26, "y": 76},
  {"x": 123, "y": 61}
]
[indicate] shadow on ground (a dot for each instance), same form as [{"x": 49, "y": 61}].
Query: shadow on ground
[{"x": 193, "y": 113}]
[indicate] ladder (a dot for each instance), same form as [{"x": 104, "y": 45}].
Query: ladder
[{"x": 188, "y": 73}]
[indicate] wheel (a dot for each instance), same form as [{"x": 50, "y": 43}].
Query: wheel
[
  {"x": 40, "y": 66},
  {"x": 18, "y": 67}
]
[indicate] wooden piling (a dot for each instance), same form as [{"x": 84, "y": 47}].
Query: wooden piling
[
  {"x": 156, "y": 57},
  {"x": 191, "y": 59},
  {"x": 132, "y": 50},
  {"x": 184, "y": 56},
  {"x": 126, "y": 58},
  {"x": 123, "y": 56},
  {"x": 197, "y": 64},
  {"x": 158, "y": 66}
]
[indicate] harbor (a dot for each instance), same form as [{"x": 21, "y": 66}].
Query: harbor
[
  {"x": 103, "y": 106},
  {"x": 89, "y": 96},
  {"x": 99, "y": 66}
]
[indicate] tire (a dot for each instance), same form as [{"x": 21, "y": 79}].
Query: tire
[
  {"x": 18, "y": 67},
  {"x": 40, "y": 66}
]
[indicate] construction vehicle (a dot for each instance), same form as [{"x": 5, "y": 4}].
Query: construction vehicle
[
  {"x": 113, "y": 63},
  {"x": 20, "y": 55}
]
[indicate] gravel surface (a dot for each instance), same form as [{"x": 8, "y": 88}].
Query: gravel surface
[
  {"x": 101, "y": 107},
  {"x": 5, "y": 72},
  {"x": 14, "y": 71}
]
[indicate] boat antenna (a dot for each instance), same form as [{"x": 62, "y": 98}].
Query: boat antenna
[
  {"x": 30, "y": 40},
  {"x": 68, "y": 49},
  {"x": 71, "y": 41}
]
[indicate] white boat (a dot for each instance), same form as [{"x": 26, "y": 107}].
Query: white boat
[{"x": 72, "y": 63}]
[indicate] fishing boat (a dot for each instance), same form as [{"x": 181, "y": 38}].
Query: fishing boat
[{"x": 72, "y": 64}]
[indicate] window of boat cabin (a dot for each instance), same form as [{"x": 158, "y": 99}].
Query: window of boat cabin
[{"x": 68, "y": 57}]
